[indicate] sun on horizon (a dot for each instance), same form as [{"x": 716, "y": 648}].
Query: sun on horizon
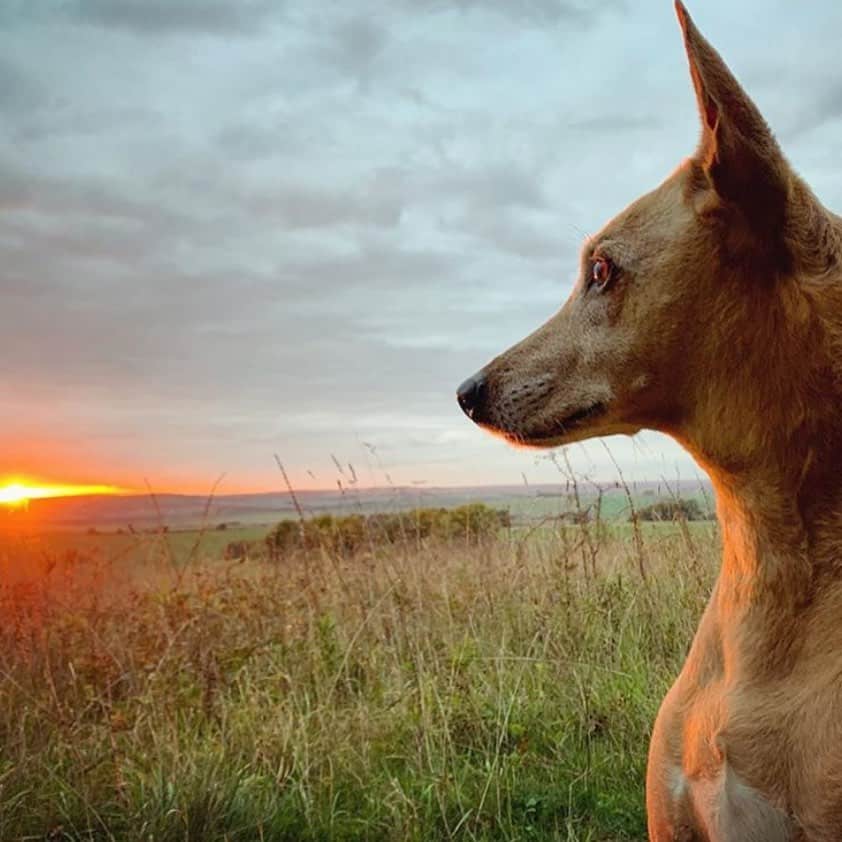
[{"x": 15, "y": 493}]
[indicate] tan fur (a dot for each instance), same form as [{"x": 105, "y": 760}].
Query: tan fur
[{"x": 724, "y": 330}]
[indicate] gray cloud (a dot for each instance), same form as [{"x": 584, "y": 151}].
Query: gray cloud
[
  {"x": 19, "y": 92},
  {"x": 355, "y": 46},
  {"x": 530, "y": 12},
  {"x": 185, "y": 17}
]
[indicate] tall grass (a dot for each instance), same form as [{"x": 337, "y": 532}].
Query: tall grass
[{"x": 494, "y": 690}]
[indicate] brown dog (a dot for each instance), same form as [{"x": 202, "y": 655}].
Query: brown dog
[{"x": 711, "y": 310}]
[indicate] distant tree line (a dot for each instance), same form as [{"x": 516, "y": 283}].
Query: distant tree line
[{"x": 671, "y": 510}]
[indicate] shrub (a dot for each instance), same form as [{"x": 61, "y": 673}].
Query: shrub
[
  {"x": 236, "y": 550},
  {"x": 348, "y": 534},
  {"x": 670, "y": 510}
]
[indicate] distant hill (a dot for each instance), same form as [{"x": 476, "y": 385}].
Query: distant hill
[{"x": 184, "y": 511}]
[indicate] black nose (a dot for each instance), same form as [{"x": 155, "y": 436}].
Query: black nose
[{"x": 471, "y": 396}]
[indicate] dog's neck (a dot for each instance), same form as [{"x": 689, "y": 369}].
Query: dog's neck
[
  {"x": 766, "y": 579},
  {"x": 775, "y": 462},
  {"x": 772, "y": 538}
]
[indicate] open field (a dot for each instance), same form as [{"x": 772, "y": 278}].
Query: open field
[
  {"x": 191, "y": 547},
  {"x": 493, "y": 690}
]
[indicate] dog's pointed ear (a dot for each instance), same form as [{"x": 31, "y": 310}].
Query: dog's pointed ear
[{"x": 738, "y": 153}]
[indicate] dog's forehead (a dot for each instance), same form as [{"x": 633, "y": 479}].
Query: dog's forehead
[{"x": 647, "y": 225}]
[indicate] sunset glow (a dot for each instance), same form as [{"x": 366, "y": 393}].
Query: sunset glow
[{"x": 19, "y": 493}]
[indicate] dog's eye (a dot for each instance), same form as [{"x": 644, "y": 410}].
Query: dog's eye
[{"x": 602, "y": 271}]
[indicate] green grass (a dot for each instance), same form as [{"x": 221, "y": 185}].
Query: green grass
[{"x": 425, "y": 692}]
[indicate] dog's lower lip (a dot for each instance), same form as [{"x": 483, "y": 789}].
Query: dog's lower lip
[
  {"x": 582, "y": 415},
  {"x": 569, "y": 423}
]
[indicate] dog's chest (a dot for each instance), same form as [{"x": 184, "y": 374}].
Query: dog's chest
[
  {"x": 726, "y": 809},
  {"x": 699, "y": 743},
  {"x": 752, "y": 760}
]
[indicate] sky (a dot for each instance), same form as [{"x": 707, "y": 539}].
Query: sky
[{"x": 233, "y": 230}]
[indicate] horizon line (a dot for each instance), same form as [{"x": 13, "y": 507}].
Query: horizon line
[{"x": 124, "y": 493}]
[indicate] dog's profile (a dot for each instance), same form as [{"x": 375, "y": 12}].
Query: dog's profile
[{"x": 711, "y": 310}]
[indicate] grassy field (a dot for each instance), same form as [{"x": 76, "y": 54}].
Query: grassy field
[{"x": 500, "y": 690}]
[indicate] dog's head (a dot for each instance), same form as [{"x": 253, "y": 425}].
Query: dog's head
[{"x": 664, "y": 290}]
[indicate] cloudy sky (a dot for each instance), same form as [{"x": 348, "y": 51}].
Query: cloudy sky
[{"x": 233, "y": 229}]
